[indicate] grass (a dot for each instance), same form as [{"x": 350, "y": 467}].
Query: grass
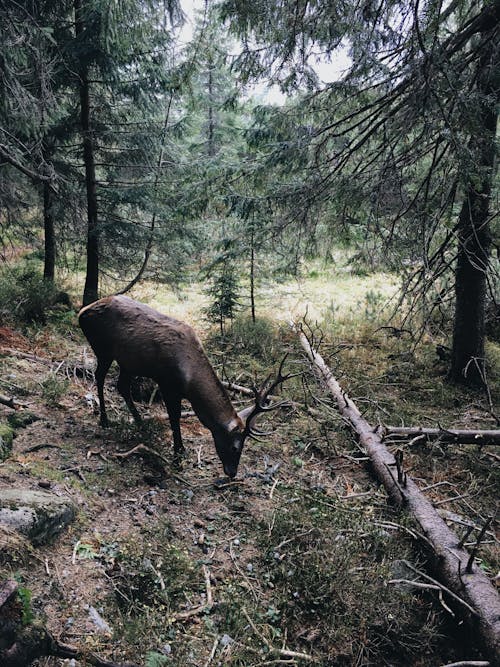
[
  {"x": 298, "y": 560},
  {"x": 321, "y": 289}
]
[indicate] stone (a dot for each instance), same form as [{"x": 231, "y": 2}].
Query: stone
[{"x": 38, "y": 515}]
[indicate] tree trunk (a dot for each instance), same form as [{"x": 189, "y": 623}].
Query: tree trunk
[
  {"x": 211, "y": 120},
  {"x": 474, "y": 239},
  {"x": 465, "y": 579},
  {"x": 49, "y": 265},
  {"x": 252, "y": 269},
  {"x": 90, "y": 291}
]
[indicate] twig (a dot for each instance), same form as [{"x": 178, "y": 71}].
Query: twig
[
  {"x": 206, "y": 573},
  {"x": 271, "y": 492},
  {"x": 240, "y": 571},
  {"x": 468, "y": 569},
  {"x": 282, "y": 652},
  {"x": 443, "y": 588},
  {"x": 41, "y": 445},
  {"x": 202, "y": 608},
  {"x": 212, "y": 652}
]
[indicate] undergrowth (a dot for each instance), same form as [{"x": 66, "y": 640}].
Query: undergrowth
[{"x": 329, "y": 568}]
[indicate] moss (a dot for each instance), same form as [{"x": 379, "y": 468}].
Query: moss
[
  {"x": 6, "y": 438},
  {"x": 22, "y": 419}
]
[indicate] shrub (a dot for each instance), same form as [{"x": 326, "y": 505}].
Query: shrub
[
  {"x": 25, "y": 295},
  {"x": 53, "y": 388},
  {"x": 259, "y": 339},
  {"x": 328, "y": 570}
]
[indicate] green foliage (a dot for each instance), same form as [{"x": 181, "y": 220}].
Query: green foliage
[
  {"x": 223, "y": 292},
  {"x": 25, "y": 296},
  {"x": 261, "y": 338},
  {"x": 160, "y": 581},
  {"x": 54, "y": 388},
  {"x": 154, "y": 659},
  {"x": 331, "y": 580},
  {"x": 22, "y": 418},
  {"x": 24, "y": 595},
  {"x": 6, "y": 439}
]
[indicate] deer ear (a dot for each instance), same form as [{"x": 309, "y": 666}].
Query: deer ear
[{"x": 236, "y": 424}]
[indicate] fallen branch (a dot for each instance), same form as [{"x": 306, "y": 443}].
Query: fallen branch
[
  {"x": 237, "y": 387},
  {"x": 451, "y": 560},
  {"x": 281, "y": 652},
  {"x": 25, "y": 355},
  {"x": 459, "y": 436},
  {"x": 202, "y": 608},
  {"x": 468, "y": 663},
  {"x": 144, "y": 452},
  {"x": 9, "y": 402}
]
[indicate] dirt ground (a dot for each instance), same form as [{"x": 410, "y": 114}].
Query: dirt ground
[{"x": 176, "y": 567}]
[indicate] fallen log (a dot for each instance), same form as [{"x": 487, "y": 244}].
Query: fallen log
[
  {"x": 9, "y": 402},
  {"x": 452, "y": 435},
  {"x": 452, "y": 562}
]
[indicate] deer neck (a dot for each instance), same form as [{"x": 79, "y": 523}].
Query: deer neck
[{"x": 211, "y": 402}]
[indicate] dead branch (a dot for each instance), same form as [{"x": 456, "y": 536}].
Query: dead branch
[
  {"x": 9, "y": 402},
  {"x": 144, "y": 452},
  {"x": 281, "y": 652},
  {"x": 458, "y": 436},
  {"x": 237, "y": 387},
  {"x": 450, "y": 559},
  {"x": 202, "y": 608},
  {"x": 469, "y": 663},
  {"x": 24, "y": 355}
]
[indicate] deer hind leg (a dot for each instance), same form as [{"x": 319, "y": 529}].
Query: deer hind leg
[
  {"x": 103, "y": 364},
  {"x": 173, "y": 405},
  {"x": 123, "y": 386}
]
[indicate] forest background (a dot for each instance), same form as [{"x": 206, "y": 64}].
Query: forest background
[{"x": 141, "y": 156}]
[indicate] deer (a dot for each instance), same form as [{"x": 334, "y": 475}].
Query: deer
[{"x": 147, "y": 343}]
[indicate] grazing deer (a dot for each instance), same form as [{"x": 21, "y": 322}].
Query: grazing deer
[{"x": 146, "y": 343}]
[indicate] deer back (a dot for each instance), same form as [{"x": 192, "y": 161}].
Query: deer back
[{"x": 147, "y": 343}]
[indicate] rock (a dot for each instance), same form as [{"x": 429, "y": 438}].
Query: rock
[
  {"x": 38, "y": 515},
  {"x": 6, "y": 438},
  {"x": 15, "y": 549},
  {"x": 102, "y": 626}
]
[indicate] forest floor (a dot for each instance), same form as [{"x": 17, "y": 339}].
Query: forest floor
[{"x": 290, "y": 564}]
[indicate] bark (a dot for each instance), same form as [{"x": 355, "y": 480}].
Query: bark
[
  {"x": 49, "y": 265},
  {"x": 252, "y": 270},
  {"x": 211, "y": 120},
  {"x": 451, "y": 560},
  {"x": 474, "y": 238},
  {"x": 90, "y": 291},
  {"x": 459, "y": 436},
  {"x": 9, "y": 402}
]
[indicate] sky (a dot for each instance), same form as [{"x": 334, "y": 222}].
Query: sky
[{"x": 327, "y": 71}]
